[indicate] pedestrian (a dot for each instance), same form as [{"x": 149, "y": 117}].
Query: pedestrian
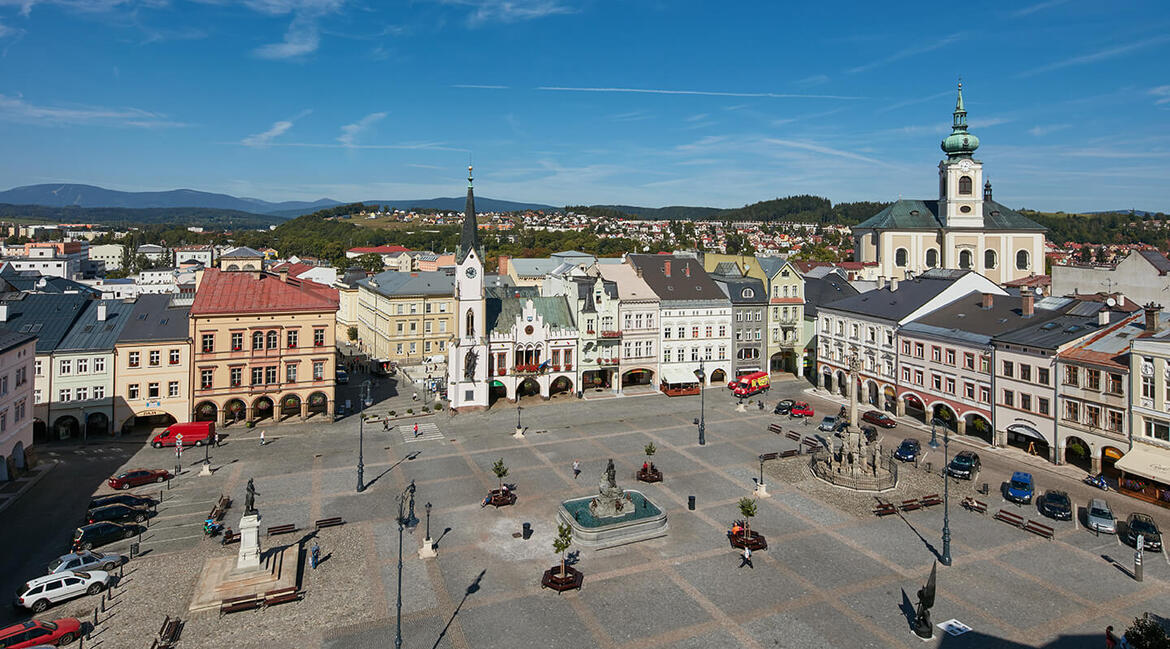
[
  {"x": 416, "y": 429},
  {"x": 386, "y": 424},
  {"x": 1110, "y": 639},
  {"x": 315, "y": 555},
  {"x": 215, "y": 438},
  {"x": 576, "y": 469},
  {"x": 747, "y": 558},
  {"x": 261, "y": 438}
]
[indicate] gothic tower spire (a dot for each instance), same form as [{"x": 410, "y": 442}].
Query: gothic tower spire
[{"x": 469, "y": 238}]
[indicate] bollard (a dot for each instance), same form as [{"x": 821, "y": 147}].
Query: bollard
[
  {"x": 160, "y": 495},
  {"x": 95, "y": 616},
  {"x": 120, "y": 567},
  {"x": 527, "y": 533},
  {"x": 104, "y": 601},
  {"x": 691, "y": 503}
]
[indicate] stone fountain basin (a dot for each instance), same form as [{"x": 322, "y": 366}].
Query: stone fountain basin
[{"x": 646, "y": 521}]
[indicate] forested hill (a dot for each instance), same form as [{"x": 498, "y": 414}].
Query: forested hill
[
  {"x": 208, "y": 217},
  {"x": 804, "y": 208},
  {"x": 1103, "y": 228}
]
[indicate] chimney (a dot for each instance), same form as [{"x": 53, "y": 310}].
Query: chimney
[
  {"x": 284, "y": 274},
  {"x": 503, "y": 270},
  {"x": 1152, "y": 313},
  {"x": 881, "y": 282},
  {"x": 1120, "y": 300},
  {"x": 893, "y": 284},
  {"x": 101, "y": 312},
  {"x": 638, "y": 271},
  {"x": 666, "y": 268},
  {"x": 687, "y": 270},
  {"x": 3, "y": 313},
  {"x": 1027, "y": 303},
  {"x": 1103, "y": 317},
  {"x": 988, "y": 301}
]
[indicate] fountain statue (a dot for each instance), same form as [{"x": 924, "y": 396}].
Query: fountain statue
[{"x": 611, "y": 500}]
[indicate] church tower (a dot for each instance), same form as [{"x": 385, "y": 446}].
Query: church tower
[
  {"x": 960, "y": 176},
  {"x": 467, "y": 360}
]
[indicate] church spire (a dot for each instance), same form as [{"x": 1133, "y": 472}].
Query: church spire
[
  {"x": 469, "y": 238},
  {"x": 960, "y": 143}
]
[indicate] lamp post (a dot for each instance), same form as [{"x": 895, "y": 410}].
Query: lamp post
[
  {"x": 364, "y": 396},
  {"x": 518, "y": 409},
  {"x": 946, "y": 531},
  {"x": 401, "y": 525},
  {"x": 702, "y": 405}
]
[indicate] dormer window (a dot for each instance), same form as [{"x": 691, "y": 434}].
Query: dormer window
[{"x": 748, "y": 294}]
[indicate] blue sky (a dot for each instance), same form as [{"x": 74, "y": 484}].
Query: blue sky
[{"x": 641, "y": 102}]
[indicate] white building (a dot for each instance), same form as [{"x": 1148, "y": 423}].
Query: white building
[
  {"x": 199, "y": 254},
  {"x": 638, "y": 314},
  {"x": 109, "y": 254}
]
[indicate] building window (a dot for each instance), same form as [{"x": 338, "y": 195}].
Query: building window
[
  {"x": 292, "y": 339},
  {"x": 1072, "y": 411},
  {"x": 919, "y": 349},
  {"x": 99, "y": 392},
  {"x": 154, "y": 357},
  {"x": 237, "y": 376},
  {"x": 290, "y": 373},
  {"x": 152, "y": 390},
  {"x": 1022, "y": 260},
  {"x": 174, "y": 357},
  {"x": 918, "y": 377},
  {"x": 319, "y": 337},
  {"x": 1025, "y": 402},
  {"x": 270, "y": 375},
  {"x": 132, "y": 359},
  {"x": 984, "y": 394},
  {"x": 319, "y": 369},
  {"x": 132, "y": 391},
  {"x": 1025, "y": 372},
  {"x": 1042, "y": 375},
  {"x": 1093, "y": 379},
  {"x": 65, "y": 394},
  {"x": 37, "y": 369},
  {"x": 1093, "y": 416},
  {"x": 966, "y": 259},
  {"x": 950, "y": 386},
  {"x": 935, "y": 382},
  {"x": 257, "y": 376},
  {"x": 237, "y": 342},
  {"x": 1158, "y": 430},
  {"x": 1147, "y": 387},
  {"x": 950, "y": 357},
  {"x": 205, "y": 377},
  {"x": 969, "y": 360},
  {"x": 82, "y": 394},
  {"x": 1042, "y": 405},
  {"x": 173, "y": 389},
  {"x": 258, "y": 340},
  {"x": 1115, "y": 383},
  {"x": 1116, "y": 420},
  {"x": 1009, "y": 398},
  {"x": 900, "y": 257},
  {"x": 1009, "y": 369},
  {"x": 273, "y": 340},
  {"x": 66, "y": 367},
  {"x": 989, "y": 259},
  {"x": 969, "y": 390},
  {"x": 1072, "y": 375},
  {"x": 931, "y": 258},
  {"x": 965, "y": 185},
  {"x": 208, "y": 343}
]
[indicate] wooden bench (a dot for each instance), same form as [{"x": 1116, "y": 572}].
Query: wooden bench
[
  {"x": 975, "y": 505},
  {"x": 790, "y": 453},
  {"x": 282, "y": 595},
  {"x": 220, "y": 508},
  {"x": 281, "y": 529},
  {"x": 930, "y": 501},
  {"x": 911, "y": 505},
  {"x": 237, "y": 604},
  {"x": 1040, "y": 529},
  {"x": 168, "y": 634},
  {"x": 1015, "y": 520},
  {"x": 885, "y": 509},
  {"x": 793, "y": 435},
  {"x": 329, "y": 522},
  {"x": 775, "y": 428},
  {"x": 230, "y": 537},
  {"x": 812, "y": 443}
]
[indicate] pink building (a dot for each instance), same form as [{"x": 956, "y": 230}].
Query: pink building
[{"x": 17, "y": 352}]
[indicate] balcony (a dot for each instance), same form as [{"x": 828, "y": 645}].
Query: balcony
[
  {"x": 525, "y": 369},
  {"x": 609, "y": 362}
]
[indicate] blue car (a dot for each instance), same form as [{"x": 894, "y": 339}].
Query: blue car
[
  {"x": 908, "y": 450},
  {"x": 1020, "y": 488}
]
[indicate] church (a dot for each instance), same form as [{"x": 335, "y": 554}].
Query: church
[{"x": 964, "y": 229}]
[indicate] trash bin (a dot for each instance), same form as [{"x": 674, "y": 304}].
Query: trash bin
[
  {"x": 134, "y": 550},
  {"x": 527, "y": 533},
  {"x": 691, "y": 503}
]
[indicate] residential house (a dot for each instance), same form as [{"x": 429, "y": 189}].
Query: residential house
[
  {"x": 82, "y": 366},
  {"x": 749, "y": 308},
  {"x": 1145, "y": 466},
  {"x": 1144, "y": 277},
  {"x": 786, "y": 334},
  {"x": 819, "y": 291},
  {"x": 242, "y": 258},
  {"x": 594, "y": 303},
  {"x": 108, "y": 254},
  {"x": 638, "y": 314},
  {"x": 405, "y": 317},
  {"x": 152, "y": 364},
  {"x": 17, "y": 355},
  {"x": 202, "y": 255}
]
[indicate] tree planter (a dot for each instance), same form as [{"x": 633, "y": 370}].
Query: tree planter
[
  {"x": 553, "y": 579},
  {"x": 752, "y": 539},
  {"x": 502, "y": 499},
  {"x": 649, "y": 475}
]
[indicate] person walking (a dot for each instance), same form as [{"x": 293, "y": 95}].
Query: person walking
[
  {"x": 261, "y": 438},
  {"x": 576, "y": 469},
  {"x": 386, "y": 424},
  {"x": 416, "y": 429},
  {"x": 1110, "y": 638},
  {"x": 315, "y": 555},
  {"x": 747, "y": 559},
  {"x": 215, "y": 438}
]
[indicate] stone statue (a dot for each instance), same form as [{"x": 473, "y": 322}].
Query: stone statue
[
  {"x": 469, "y": 365},
  {"x": 250, "y": 499},
  {"x": 922, "y": 625},
  {"x": 611, "y": 499},
  {"x": 609, "y": 476}
]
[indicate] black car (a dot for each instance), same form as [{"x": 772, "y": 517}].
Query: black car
[
  {"x": 908, "y": 450},
  {"x": 965, "y": 465},
  {"x": 1055, "y": 504},
  {"x": 1142, "y": 524},
  {"x": 131, "y": 500},
  {"x": 117, "y": 513},
  {"x": 88, "y": 537},
  {"x": 784, "y": 407}
]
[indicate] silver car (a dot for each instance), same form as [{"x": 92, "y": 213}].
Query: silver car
[
  {"x": 828, "y": 424},
  {"x": 1100, "y": 517},
  {"x": 85, "y": 560}
]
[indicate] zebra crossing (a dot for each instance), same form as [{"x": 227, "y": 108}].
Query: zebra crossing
[{"x": 427, "y": 432}]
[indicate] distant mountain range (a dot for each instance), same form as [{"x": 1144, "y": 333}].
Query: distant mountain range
[{"x": 72, "y": 195}]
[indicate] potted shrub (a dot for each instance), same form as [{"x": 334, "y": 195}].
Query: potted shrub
[
  {"x": 650, "y": 473},
  {"x": 249, "y": 424},
  {"x": 425, "y": 409}
]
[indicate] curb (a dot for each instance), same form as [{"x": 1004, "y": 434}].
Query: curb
[{"x": 49, "y": 466}]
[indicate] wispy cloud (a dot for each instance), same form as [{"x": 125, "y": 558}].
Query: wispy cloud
[
  {"x": 911, "y": 102},
  {"x": 350, "y": 132},
  {"x": 1045, "y": 129},
  {"x": 1039, "y": 6},
  {"x": 822, "y": 149},
  {"x": 276, "y": 130},
  {"x": 16, "y": 109},
  {"x": 303, "y": 34},
  {"x": 1162, "y": 93},
  {"x": 708, "y": 93},
  {"x": 510, "y": 11},
  {"x": 814, "y": 80},
  {"x": 1099, "y": 55},
  {"x": 480, "y": 86},
  {"x": 913, "y": 50},
  {"x": 632, "y": 116},
  {"x": 697, "y": 118}
]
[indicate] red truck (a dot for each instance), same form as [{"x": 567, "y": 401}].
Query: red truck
[
  {"x": 750, "y": 384},
  {"x": 196, "y": 433}
]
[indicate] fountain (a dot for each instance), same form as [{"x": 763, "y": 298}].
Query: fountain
[{"x": 615, "y": 516}]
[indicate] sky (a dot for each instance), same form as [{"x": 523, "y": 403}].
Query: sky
[{"x": 635, "y": 102}]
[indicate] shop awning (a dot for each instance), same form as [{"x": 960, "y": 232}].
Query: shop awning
[
  {"x": 675, "y": 375},
  {"x": 1148, "y": 462},
  {"x": 1026, "y": 431}
]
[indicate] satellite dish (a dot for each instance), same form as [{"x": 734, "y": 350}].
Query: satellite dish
[{"x": 1111, "y": 302}]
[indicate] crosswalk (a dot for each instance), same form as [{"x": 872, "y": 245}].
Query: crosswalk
[{"x": 427, "y": 432}]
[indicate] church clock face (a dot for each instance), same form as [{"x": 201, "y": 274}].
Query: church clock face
[
  {"x": 966, "y": 165},
  {"x": 470, "y": 272}
]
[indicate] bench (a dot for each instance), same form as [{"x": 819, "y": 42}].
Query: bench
[
  {"x": 930, "y": 501},
  {"x": 168, "y": 634},
  {"x": 220, "y": 508},
  {"x": 237, "y": 604},
  {"x": 281, "y": 529},
  {"x": 1015, "y": 520},
  {"x": 885, "y": 509},
  {"x": 1039, "y": 529},
  {"x": 775, "y": 428},
  {"x": 329, "y": 522},
  {"x": 793, "y": 435},
  {"x": 790, "y": 453},
  {"x": 230, "y": 537},
  {"x": 975, "y": 505},
  {"x": 282, "y": 595},
  {"x": 812, "y": 443},
  {"x": 911, "y": 505}
]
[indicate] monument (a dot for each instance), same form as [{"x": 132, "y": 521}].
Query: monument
[
  {"x": 922, "y": 626},
  {"x": 249, "y": 557},
  {"x": 615, "y": 516},
  {"x": 858, "y": 462}
]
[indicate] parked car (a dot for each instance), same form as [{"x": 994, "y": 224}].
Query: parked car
[
  {"x": 38, "y": 633},
  {"x": 1056, "y": 504},
  {"x": 195, "y": 433},
  {"x": 38, "y": 593},
  {"x": 784, "y": 407},
  {"x": 1100, "y": 517},
  {"x": 828, "y": 424},
  {"x": 117, "y": 513},
  {"x": 908, "y": 450},
  {"x": 138, "y": 477},
  {"x": 802, "y": 409},
  {"x": 879, "y": 418},
  {"x": 87, "y": 537},
  {"x": 1142, "y": 524},
  {"x": 342, "y": 377},
  {"x": 133, "y": 500},
  {"x": 1020, "y": 488},
  {"x": 964, "y": 465},
  {"x": 86, "y": 561}
]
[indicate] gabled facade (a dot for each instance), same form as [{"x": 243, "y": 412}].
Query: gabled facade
[
  {"x": 638, "y": 313},
  {"x": 787, "y": 336},
  {"x": 17, "y": 353},
  {"x": 152, "y": 364}
]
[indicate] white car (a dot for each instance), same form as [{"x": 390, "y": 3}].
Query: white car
[{"x": 38, "y": 593}]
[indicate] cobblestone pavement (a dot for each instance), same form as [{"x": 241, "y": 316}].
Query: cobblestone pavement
[{"x": 834, "y": 575}]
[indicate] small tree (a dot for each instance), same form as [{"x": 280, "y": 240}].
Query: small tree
[
  {"x": 1146, "y": 633},
  {"x": 351, "y": 333},
  {"x": 371, "y": 261},
  {"x": 501, "y": 471},
  {"x": 650, "y": 449},
  {"x": 747, "y": 507},
  {"x": 562, "y": 542}
]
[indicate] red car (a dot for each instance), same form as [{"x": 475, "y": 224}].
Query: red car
[
  {"x": 879, "y": 418},
  {"x": 802, "y": 409},
  {"x": 138, "y": 477},
  {"x": 36, "y": 633}
]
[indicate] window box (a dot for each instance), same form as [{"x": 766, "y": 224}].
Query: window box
[
  {"x": 502, "y": 371},
  {"x": 556, "y": 368},
  {"x": 234, "y": 349},
  {"x": 568, "y": 367},
  {"x": 319, "y": 344}
]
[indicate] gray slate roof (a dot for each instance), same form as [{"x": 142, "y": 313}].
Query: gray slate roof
[
  {"x": 966, "y": 319},
  {"x": 10, "y": 339},
  {"x": 771, "y": 265},
  {"x": 734, "y": 287},
  {"x": 687, "y": 281},
  {"x": 825, "y": 290},
  {"x": 909, "y": 214},
  {"x": 242, "y": 251},
  {"x": 502, "y": 313},
  {"x": 46, "y": 316},
  {"x": 87, "y": 333},
  {"x": 1057, "y": 331},
  {"x": 895, "y": 305},
  {"x": 392, "y": 283},
  {"x": 153, "y": 318},
  {"x": 30, "y": 281},
  {"x": 1157, "y": 260}
]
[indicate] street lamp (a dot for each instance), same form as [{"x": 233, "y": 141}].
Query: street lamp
[
  {"x": 946, "y": 531},
  {"x": 518, "y": 409},
  {"x": 702, "y": 405},
  {"x": 428, "y": 508},
  {"x": 364, "y": 396},
  {"x": 401, "y": 525}
]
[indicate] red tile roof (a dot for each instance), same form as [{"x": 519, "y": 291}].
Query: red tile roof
[
  {"x": 379, "y": 250},
  {"x": 1031, "y": 281},
  {"x": 224, "y": 292}
]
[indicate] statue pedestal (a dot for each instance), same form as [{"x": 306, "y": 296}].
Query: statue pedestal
[
  {"x": 761, "y": 491},
  {"x": 741, "y": 407},
  {"x": 249, "y": 558},
  {"x": 206, "y": 470},
  {"x": 427, "y": 551},
  {"x": 519, "y": 434}
]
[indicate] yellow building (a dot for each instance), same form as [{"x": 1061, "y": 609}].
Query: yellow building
[
  {"x": 406, "y": 317},
  {"x": 152, "y": 365}
]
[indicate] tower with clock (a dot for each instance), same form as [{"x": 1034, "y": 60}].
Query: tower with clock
[
  {"x": 467, "y": 360},
  {"x": 960, "y": 175}
]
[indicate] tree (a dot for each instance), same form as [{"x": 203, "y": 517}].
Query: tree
[
  {"x": 650, "y": 449},
  {"x": 747, "y": 507},
  {"x": 501, "y": 471},
  {"x": 370, "y": 261},
  {"x": 351, "y": 333},
  {"x": 562, "y": 542},
  {"x": 1146, "y": 633}
]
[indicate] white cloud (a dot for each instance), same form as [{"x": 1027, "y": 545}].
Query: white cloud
[
  {"x": 1044, "y": 129},
  {"x": 916, "y": 100},
  {"x": 510, "y": 11},
  {"x": 1039, "y": 6},
  {"x": 906, "y": 53},
  {"x": 16, "y": 109},
  {"x": 814, "y": 80},
  {"x": 303, "y": 35},
  {"x": 1099, "y": 55},
  {"x": 350, "y": 132},
  {"x": 1162, "y": 93},
  {"x": 480, "y": 86},
  {"x": 822, "y": 149},
  {"x": 276, "y": 130}
]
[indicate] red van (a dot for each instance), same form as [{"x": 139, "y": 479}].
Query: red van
[
  {"x": 750, "y": 384},
  {"x": 196, "y": 433}
]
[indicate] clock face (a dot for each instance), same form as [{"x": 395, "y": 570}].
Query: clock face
[
  {"x": 966, "y": 165},
  {"x": 470, "y": 272}
]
